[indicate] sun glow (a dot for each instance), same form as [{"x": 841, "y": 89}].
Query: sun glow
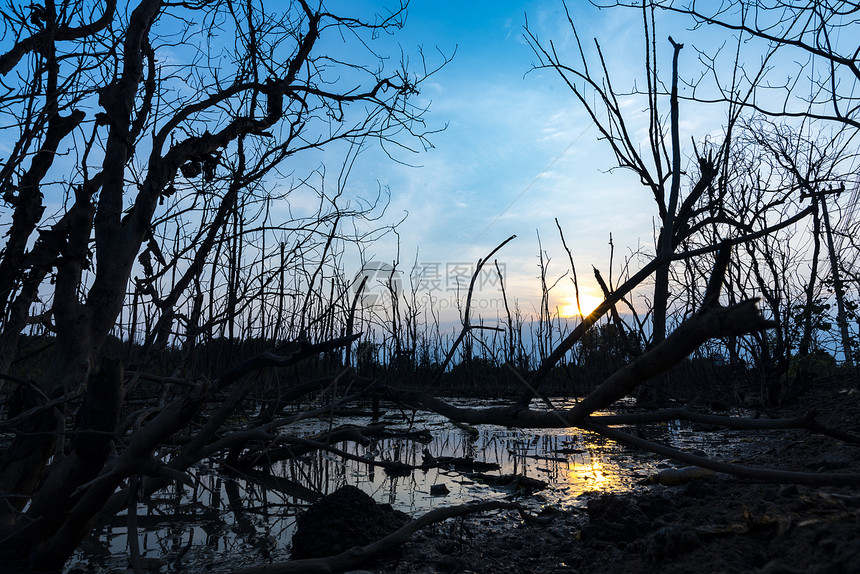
[{"x": 586, "y": 301}]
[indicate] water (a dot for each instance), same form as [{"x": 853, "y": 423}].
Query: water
[{"x": 252, "y": 519}]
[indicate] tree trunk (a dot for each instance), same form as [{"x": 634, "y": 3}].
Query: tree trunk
[
  {"x": 666, "y": 241},
  {"x": 841, "y": 317}
]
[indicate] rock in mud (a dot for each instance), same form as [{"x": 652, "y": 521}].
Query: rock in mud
[
  {"x": 344, "y": 519},
  {"x": 439, "y": 490}
]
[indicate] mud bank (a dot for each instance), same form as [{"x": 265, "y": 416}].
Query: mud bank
[{"x": 714, "y": 524}]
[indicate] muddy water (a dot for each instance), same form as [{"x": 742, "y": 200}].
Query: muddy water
[{"x": 229, "y": 520}]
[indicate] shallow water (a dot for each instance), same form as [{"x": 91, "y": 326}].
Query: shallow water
[{"x": 227, "y": 520}]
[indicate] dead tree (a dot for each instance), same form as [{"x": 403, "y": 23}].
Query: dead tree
[
  {"x": 781, "y": 35},
  {"x": 112, "y": 135}
]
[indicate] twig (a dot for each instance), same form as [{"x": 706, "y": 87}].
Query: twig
[
  {"x": 467, "y": 325},
  {"x": 766, "y": 474},
  {"x": 10, "y": 424},
  {"x": 359, "y": 554}
]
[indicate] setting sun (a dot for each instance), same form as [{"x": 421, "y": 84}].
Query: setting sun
[{"x": 587, "y": 302}]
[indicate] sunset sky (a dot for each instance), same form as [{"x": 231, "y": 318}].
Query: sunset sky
[{"x": 518, "y": 150}]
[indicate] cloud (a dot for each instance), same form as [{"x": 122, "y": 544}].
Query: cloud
[{"x": 518, "y": 153}]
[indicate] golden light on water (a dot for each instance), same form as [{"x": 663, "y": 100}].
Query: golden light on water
[
  {"x": 590, "y": 473},
  {"x": 598, "y": 474}
]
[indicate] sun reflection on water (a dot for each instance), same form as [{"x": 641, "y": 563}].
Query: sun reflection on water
[{"x": 258, "y": 514}]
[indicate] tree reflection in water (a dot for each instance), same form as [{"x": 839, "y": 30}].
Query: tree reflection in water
[{"x": 248, "y": 516}]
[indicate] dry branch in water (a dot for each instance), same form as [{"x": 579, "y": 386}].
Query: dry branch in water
[
  {"x": 358, "y": 555},
  {"x": 153, "y": 190},
  {"x": 712, "y": 321}
]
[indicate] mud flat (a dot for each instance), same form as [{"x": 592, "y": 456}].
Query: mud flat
[
  {"x": 603, "y": 518},
  {"x": 713, "y": 524}
]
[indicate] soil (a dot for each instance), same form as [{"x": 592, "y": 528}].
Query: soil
[
  {"x": 713, "y": 524},
  {"x": 717, "y": 523},
  {"x": 321, "y": 530}
]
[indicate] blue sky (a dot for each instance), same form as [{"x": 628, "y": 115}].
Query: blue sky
[{"x": 518, "y": 150}]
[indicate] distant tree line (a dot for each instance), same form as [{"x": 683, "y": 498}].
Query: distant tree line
[{"x": 172, "y": 279}]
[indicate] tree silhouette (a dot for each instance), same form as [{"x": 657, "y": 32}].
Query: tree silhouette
[{"x": 144, "y": 147}]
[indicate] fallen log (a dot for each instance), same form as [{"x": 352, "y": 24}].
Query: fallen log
[{"x": 355, "y": 556}]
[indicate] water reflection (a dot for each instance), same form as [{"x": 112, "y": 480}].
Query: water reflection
[{"x": 251, "y": 516}]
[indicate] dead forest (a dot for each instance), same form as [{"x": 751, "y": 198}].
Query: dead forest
[{"x": 173, "y": 286}]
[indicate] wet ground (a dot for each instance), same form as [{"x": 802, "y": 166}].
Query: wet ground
[
  {"x": 604, "y": 520},
  {"x": 237, "y": 518},
  {"x": 714, "y": 524}
]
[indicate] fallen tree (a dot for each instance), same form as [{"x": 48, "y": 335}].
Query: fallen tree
[
  {"x": 712, "y": 320},
  {"x": 95, "y": 432}
]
